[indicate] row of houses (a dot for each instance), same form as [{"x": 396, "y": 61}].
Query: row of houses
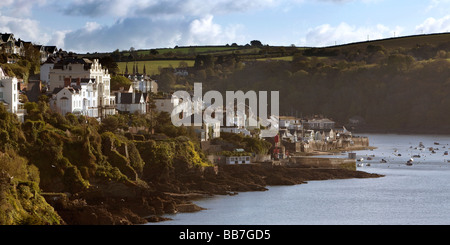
[
  {"x": 10, "y": 45},
  {"x": 311, "y": 134}
]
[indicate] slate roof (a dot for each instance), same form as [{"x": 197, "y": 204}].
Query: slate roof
[{"x": 126, "y": 98}]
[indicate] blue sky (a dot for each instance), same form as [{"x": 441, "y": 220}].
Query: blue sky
[{"x": 106, "y": 25}]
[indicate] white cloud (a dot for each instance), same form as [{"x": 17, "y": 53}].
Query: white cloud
[
  {"x": 204, "y": 30},
  {"x": 161, "y": 8},
  {"x": 25, "y": 29},
  {"x": 146, "y": 33},
  {"x": 57, "y": 39},
  {"x": 92, "y": 26},
  {"x": 21, "y": 7},
  {"x": 327, "y": 35},
  {"x": 432, "y": 25}
]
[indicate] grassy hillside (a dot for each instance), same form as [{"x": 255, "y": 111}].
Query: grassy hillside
[
  {"x": 406, "y": 42},
  {"x": 152, "y": 66}
]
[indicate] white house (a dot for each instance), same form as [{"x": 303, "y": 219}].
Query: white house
[
  {"x": 64, "y": 71},
  {"x": 320, "y": 123},
  {"x": 289, "y": 122},
  {"x": 131, "y": 102},
  {"x": 79, "y": 98},
  {"x": 143, "y": 84},
  {"x": 9, "y": 95},
  {"x": 67, "y": 100},
  {"x": 45, "y": 69},
  {"x": 89, "y": 96},
  {"x": 237, "y": 160}
]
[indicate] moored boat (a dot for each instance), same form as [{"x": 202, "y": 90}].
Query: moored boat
[{"x": 410, "y": 162}]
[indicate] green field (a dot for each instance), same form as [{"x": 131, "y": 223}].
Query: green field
[
  {"x": 152, "y": 66},
  {"x": 401, "y": 42},
  {"x": 194, "y": 50},
  {"x": 284, "y": 58}
]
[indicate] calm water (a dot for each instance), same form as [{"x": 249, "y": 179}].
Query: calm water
[{"x": 418, "y": 194}]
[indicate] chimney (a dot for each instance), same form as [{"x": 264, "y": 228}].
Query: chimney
[
  {"x": 67, "y": 82},
  {"x": 119, "y": 98}
]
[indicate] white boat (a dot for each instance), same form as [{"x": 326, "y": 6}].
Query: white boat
[{"x": 360, "y": 164}]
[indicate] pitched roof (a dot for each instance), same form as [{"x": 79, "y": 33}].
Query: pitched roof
[
  {"x": 71, "y": 60},
  {"x": 56, "y": 90},
  {"x": 5, "y": 37},
  {"x": 50, "y": 49},
  {"x": 126, "y": 98}
]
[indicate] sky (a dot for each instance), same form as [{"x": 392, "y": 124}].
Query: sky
[{"x": 106, "y": 25}]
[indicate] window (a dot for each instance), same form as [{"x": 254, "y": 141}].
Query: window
[{"x": 1, "y": 95}]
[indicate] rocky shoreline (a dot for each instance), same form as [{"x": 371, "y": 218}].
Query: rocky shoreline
[{"x": 128, "y": 204}]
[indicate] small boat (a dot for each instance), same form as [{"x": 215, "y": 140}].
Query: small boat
[
  {"x": 445, "y": 153},
  {"x": 368, "y": 165},
  {"x": 361, "y": 159},
  {"x": 383, "y": 161},
  {"x": 369, "y": 158},
  {"x": 436, "y": 143},
  {"x": 360, "y": 164},
  {"x": 416, "y": 156},
  {"x": 409, "y": 162}
]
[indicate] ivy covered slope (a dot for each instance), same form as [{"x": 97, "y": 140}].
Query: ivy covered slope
[{"x": 84, "y": 168}]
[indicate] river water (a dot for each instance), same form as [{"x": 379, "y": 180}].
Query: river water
[{"x": 407, "y": 195}]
